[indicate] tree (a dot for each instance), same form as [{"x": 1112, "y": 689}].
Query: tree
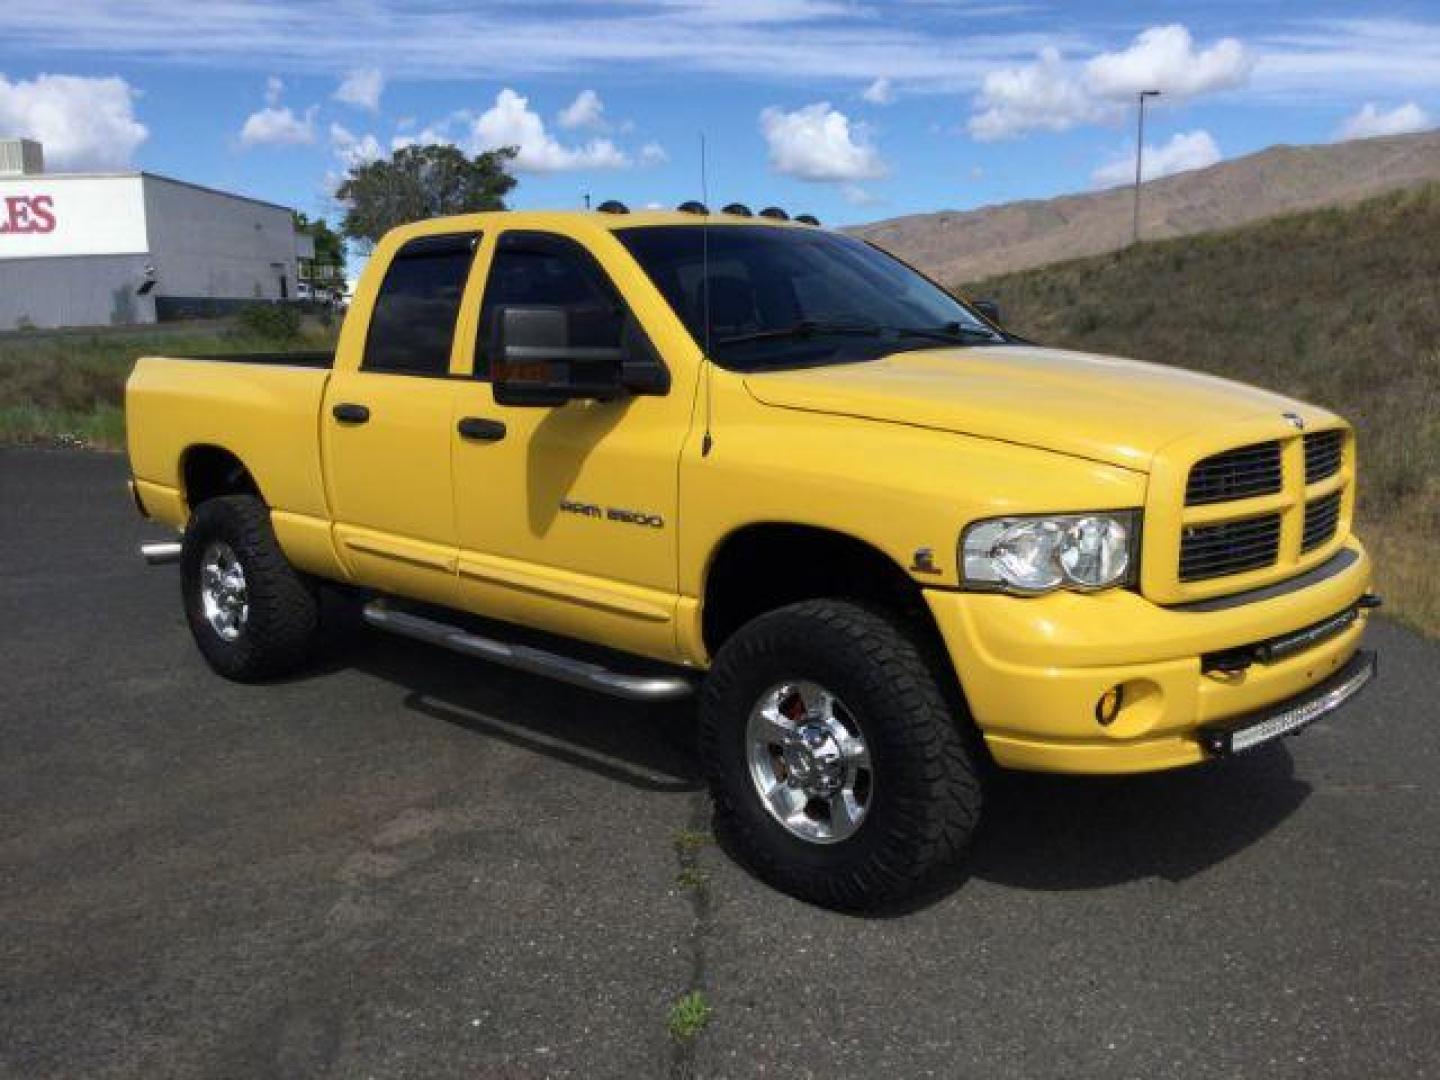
[
  {"x": 421, "y": 182},
  {"x": 329, "y": 245}
]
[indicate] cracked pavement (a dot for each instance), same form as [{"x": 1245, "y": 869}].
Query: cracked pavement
[{"x": 406, "y": 863}]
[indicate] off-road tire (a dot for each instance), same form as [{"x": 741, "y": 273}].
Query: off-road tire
[
  {"x": 283, "y": 622},
  {"x": 927, "y": 793}
]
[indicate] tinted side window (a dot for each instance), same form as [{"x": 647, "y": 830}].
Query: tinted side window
[
  {"x": 414, "y": 320},
  {"x": 541, "y": 269}
]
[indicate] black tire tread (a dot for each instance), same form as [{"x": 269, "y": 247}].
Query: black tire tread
[
  {"x": 284, "y": 612},
  {"x": 931, "y": 822}
]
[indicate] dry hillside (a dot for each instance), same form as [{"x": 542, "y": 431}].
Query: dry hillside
[{"x": 963, "y": 246}]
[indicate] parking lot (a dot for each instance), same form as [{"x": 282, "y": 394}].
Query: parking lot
[{"x": 406, "y": 863}]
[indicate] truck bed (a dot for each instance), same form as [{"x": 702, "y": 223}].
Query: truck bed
[{"x": 262, "y": 408}]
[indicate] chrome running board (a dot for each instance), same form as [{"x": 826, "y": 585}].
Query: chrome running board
[
  {"x": 527, "y": 658},
  {"x": 162, "y": 553}
]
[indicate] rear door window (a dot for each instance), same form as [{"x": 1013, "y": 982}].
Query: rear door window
[{"x": 413, "y": 325}]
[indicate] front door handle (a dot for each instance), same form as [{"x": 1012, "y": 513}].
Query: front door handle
[
  {"x": 480, "y": 429},
  {"x": 348, "y": 413}
]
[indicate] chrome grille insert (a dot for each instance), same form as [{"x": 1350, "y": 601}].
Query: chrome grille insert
[
  {"x": 1211, "y": 551},
  {"x": 1323, "y": 450},
  {"x": 1242, "y": 473},
  {"x": 1321, "y": 517}
]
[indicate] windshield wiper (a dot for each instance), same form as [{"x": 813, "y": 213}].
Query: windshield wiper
[
  {"x": 805, "y": 328},
  {"x": 951, "y": 332}
]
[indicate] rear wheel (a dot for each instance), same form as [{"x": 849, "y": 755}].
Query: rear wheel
[
  {"x": 839, "y": 772},
  {"x": 251, "y": 613}
]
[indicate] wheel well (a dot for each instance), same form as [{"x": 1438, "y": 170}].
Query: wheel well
[
  {"x": 211, "y": 471},
  {"x": 764, "y": 567}
]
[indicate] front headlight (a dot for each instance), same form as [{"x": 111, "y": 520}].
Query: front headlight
[{"x": 1050, "y": 551}]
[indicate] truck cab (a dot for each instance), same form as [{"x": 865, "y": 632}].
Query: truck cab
[{"x": 888, "y": 543}]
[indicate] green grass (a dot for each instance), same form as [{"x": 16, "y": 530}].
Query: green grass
[
  {"x": 1337, "y": 307},
  {"x": 688, "y": 1016},
  {"x": 68, "y": 388},
  {"x": 689, "y": 841},
  {"x": 692, "y": 877}
]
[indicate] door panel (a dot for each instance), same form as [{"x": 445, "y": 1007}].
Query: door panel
[
  {"x": 390, "y": 486},
  {"x": 387, "y": 427},
  {"x": 540, "y": 543},
  {"x": 568, "y": 521}
]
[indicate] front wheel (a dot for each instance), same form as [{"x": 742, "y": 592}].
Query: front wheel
[
  {"x": 251, "y": 613},
  {"x": 839, "y": 772}
]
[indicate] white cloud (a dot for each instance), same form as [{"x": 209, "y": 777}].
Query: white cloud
[
  {"x": 1304, "y": 55},
  {"x": 816, "y": 142},
  {"x": 879, "y": 92},
  {"x": 510, "y": 122},
  {"x": 276, "y": 124},
  {"x": 1336, "y": 60},
  {"x": 1370, "y": 122},
  {"x": 652, "y": 153},
  {"x": 84, "y": 122},
  {"x": 362, "y": 88},
  {"x": 586, "y": 111},
  {"x": 279, "y": 126},
  {"x": 353, "y": 150},
  {"x": 1164, "y": 58},
  {"x": 1053, "y": 94},
  {"x": 1045, "y": 96},
  {"x": 800, "y": 42},
  {"x": 1185, "y": 151}
]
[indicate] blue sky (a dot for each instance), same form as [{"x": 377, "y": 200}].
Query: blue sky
[{"x": 851, "y": 109}]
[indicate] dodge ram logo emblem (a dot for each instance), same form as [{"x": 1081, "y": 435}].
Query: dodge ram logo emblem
[{"x": 1296, "y": 420}]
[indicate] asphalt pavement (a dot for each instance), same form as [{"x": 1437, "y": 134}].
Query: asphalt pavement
[{"x": 403, "y": 863}]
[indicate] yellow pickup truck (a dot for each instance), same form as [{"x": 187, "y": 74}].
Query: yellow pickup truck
[{"x": 885, "y": 541}]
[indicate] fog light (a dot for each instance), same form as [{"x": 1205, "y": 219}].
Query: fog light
[{"x": 1108, "y": 707}]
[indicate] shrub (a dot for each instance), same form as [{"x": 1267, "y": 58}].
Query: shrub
[{"x": 274, "y": 322}]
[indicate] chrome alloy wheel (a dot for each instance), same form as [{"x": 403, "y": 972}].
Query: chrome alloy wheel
[
  {"x": 224, "y": 596},
  {"x": 809, "y": 762}
]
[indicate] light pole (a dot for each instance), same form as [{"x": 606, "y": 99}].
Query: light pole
[{"x": 1140, "y": 156}]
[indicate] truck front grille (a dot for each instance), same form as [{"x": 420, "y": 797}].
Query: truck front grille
[
  {"x": 1223, "y": 519},
  {"x": 1323, "y": 451},
  {"x": 1321, "y": 518},
  {"x": 1211, "y": 551},
  {"x": 1242, "y": 473}
]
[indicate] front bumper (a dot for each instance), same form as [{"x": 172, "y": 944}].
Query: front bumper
[
  {"x": 1034, "y": 669},
  {"x": 1292, "y": 716}
]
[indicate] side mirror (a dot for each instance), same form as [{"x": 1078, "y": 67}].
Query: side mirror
[
  {"x": 534, "y": 363},
  {"x": 988, "y": 308}
]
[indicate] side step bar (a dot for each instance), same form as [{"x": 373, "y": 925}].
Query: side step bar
[
  {"x": 526, "y": 658},
  {"x": 162, "y": 553}
]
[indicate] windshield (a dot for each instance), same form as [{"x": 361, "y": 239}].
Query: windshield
[{"x": 781, "y": 298}]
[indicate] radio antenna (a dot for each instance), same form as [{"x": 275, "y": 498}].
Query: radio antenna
[{"x": 706, "y": 364}]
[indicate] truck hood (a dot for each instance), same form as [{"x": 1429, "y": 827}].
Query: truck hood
[{"x": 1099, "y": 407}]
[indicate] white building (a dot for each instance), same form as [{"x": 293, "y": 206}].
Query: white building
[{"x": 88, "y": 249}]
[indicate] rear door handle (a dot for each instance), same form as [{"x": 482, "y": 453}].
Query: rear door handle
[
  {"x": 348, "y": 413},
  {"x": 480, "y": 429}
]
